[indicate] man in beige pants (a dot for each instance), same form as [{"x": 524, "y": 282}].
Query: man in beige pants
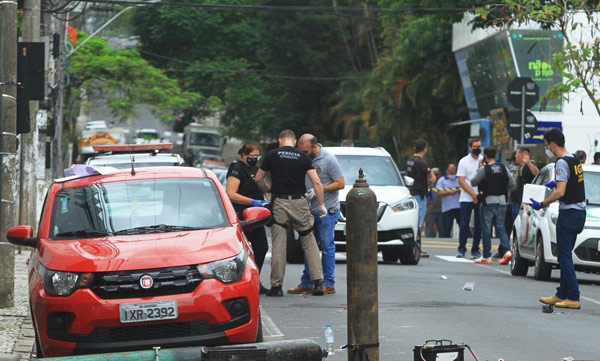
[{"x": 288, "y": 167}]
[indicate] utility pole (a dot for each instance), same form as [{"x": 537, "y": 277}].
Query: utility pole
[
  {"x": 29, "y": 141},
  {"x": 10, "y": 161}
]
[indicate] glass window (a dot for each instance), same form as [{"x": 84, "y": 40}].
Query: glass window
[
  {"x": 205, "y": 139},
  {"x": 131, "y": 207},
  {"x": 591, "y": 181},
  {"x": 379, "y": 171}
]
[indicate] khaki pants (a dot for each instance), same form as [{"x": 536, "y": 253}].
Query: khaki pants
[{"x": 296, "y": 212}]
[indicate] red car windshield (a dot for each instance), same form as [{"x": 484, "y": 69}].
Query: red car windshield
[{"x": 137, "y": 206}]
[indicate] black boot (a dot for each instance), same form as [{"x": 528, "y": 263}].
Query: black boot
[
  {"x": 276, "y": 291},
  {"x": 318, "y": 290},
  {"x": 263, "y": 289}
]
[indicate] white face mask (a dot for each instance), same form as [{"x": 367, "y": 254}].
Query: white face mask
[
  {"x": 549, "y": 153},
  {"x": 451, "y": 176}
]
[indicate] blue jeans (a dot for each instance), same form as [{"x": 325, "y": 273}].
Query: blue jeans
[
  {"x": 568, "y": 225},
  {"x": 493, "y": 214},
  {"x": 465, "y": 218},
  {"x": 324, "y": 230},
  {"x": 447, "y": 218},
  {"x": 422, "y": 202},
  {"x": 515, "y": 210}
]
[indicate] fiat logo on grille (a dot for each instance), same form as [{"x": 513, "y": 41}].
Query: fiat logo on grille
[{"x": 146, "y": 281}]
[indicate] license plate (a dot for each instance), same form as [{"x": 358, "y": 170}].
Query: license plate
[{"x": 148, "y": 311}]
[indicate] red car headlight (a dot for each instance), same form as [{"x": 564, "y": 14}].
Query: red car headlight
[
  {"x": 60, "y": 283},
  {"x": 226, "y": 270}
]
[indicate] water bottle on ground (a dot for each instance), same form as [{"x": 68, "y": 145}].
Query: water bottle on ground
[{"x": 329, "y": 339}]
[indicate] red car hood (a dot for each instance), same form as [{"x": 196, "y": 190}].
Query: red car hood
[{"x": 140, "y": 251}]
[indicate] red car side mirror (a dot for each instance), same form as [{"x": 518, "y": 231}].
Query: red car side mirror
[
  {"x": 255, "y": 217},
  {"x": 21, "y": 236}
]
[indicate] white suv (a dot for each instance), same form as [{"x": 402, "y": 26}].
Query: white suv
[
  {"x": 533, "y": 241},
  {"x": 397, "y": 215}
]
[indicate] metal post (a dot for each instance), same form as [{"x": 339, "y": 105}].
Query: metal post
[
  {"x": 523, "y": 114},
  {"x": 29, "y": 141},
  {"x": 10, "y": 162},
  {"x": 361, "y": 253}
]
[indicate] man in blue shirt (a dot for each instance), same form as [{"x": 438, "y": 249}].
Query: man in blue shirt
[
  {"x": 449, "y": 191},
  {"x": 570, "y": 192}
]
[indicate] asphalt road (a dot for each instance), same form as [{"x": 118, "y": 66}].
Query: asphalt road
[{"x": 500, "y": 319}]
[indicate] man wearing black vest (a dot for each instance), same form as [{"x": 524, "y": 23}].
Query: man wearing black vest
[
  {"x": 493, "y": 181},
  {"x": 570, "y": 193}
]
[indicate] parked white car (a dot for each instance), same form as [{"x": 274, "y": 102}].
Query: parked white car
[
  {"x": 533, "y": 241},
  {"x": 96, "y": 124}
]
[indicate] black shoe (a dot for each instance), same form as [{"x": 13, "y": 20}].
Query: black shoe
[
  {"x": 263, "y": 289},
  {"x": 275, "y": 291},
  {"x": 497, "y": 255},
  {"x": 318, "y": 290}
]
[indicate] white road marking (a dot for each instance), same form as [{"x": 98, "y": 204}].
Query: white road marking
[
  {"x": 179, "y": 142},
  {"x": 270, "y": 329},
  {"x": 494, "y": 269},
  {"x": 591, "y": 300},
  {"x": 167, "y": 134},
  {"x": 454, "y": 259}
]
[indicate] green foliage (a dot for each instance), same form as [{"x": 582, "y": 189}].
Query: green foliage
[
  {"x": 414, "y": 91},
  {"x": 125, "y": 80},
  {"x": 579, "y": 63}
]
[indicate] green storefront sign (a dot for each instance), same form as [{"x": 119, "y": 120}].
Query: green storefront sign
[{"x": 533, "y": 51}]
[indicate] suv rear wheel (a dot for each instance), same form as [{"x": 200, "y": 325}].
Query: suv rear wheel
[
  {"x": 518, "y": 266},
  {"x": 412, "y": 255},
  {"x": 542, "y": 270}
]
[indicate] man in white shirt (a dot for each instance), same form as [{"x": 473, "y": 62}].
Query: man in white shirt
[{"x": 467, "y": 168}]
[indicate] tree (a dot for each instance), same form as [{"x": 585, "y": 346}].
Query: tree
[
  {"x": 579, "y": 62},
  {"x": 414, "y": 91},
  {"x": 124, "y": 80}
]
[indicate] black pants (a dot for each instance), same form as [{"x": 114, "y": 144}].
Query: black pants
[{"x": 258, "y": 239}]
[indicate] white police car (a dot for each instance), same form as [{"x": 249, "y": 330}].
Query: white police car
[
  {"x": 142, "y": 155},
  {"x": 533, "y": 241}
]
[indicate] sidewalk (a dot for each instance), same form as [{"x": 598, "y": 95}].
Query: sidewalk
[{"x": 16, "y": 331}]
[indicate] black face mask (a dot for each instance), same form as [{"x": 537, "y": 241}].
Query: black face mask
[
  {"x": 252, "y": 161},
  {"x": 476, "y": 151}
]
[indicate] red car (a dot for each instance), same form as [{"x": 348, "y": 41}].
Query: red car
[{"x": 143, "y": 258}]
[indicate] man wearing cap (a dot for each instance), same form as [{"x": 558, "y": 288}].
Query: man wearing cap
[{"x": 330, "y": 173}]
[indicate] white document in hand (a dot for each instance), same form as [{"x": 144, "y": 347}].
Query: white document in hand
[{"x": 537, "y": 192}]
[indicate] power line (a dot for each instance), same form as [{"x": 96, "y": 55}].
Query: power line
[{"x": 338, "y": 10}]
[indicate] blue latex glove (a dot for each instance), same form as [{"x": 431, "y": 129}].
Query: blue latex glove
[
  {"x": 259, "y": 203},
  {"x": 535, "y": 204},
  {"x": 551, "y": 184}
]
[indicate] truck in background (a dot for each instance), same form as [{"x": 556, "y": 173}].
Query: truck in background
[{"x": 200, "y": 139}]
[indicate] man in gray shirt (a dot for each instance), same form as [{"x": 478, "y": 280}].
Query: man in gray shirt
[
  {"x": 332, "y": 179},
  {"x": 493, "y": 181}
]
